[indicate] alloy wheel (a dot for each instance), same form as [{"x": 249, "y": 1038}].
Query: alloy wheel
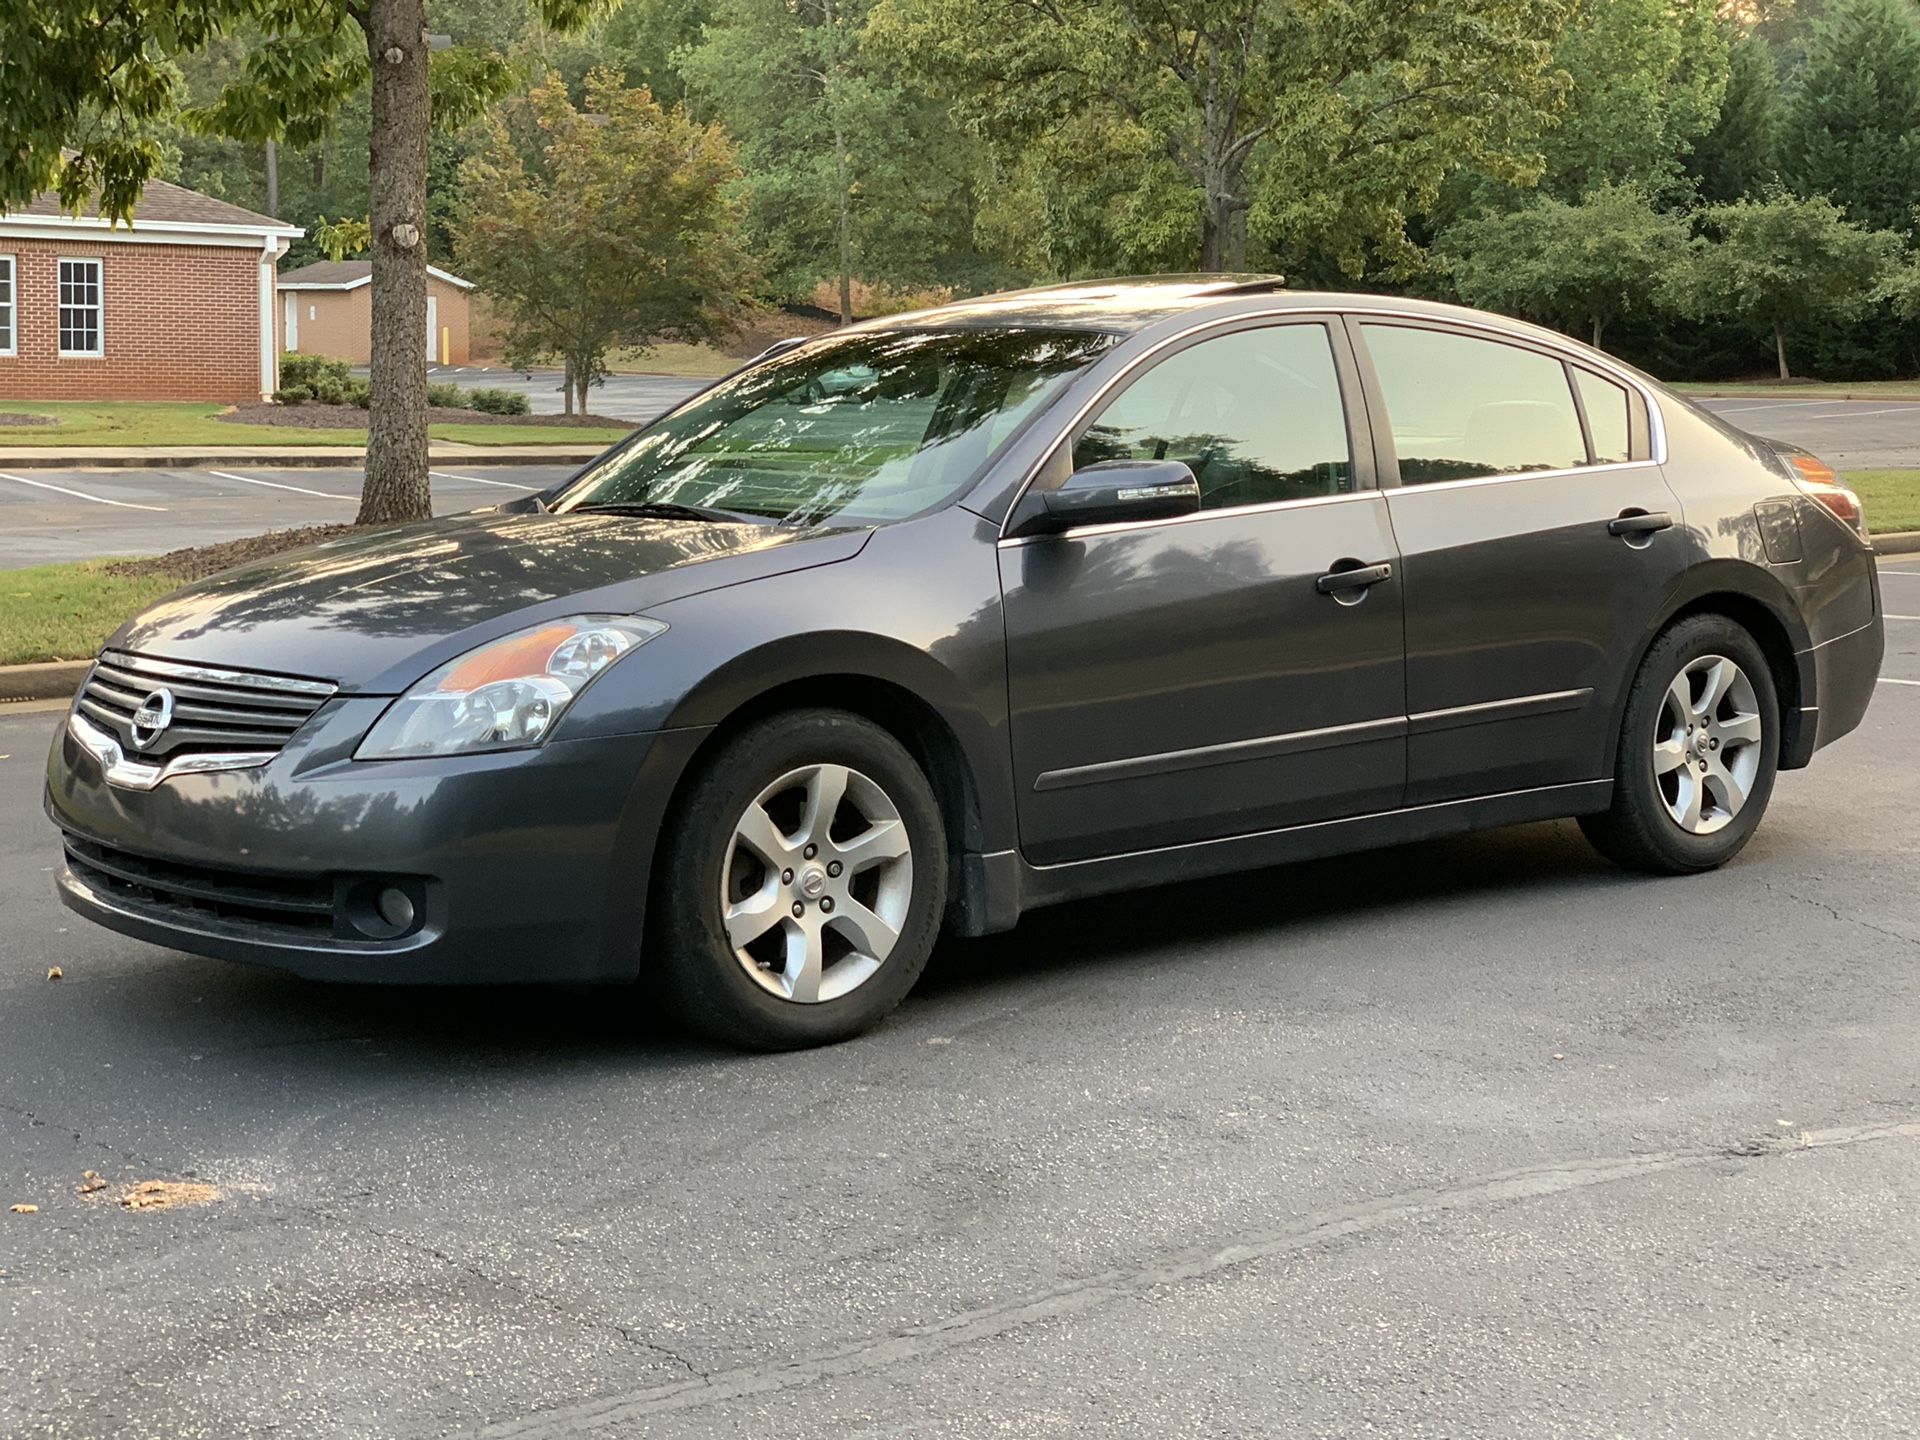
[
  {"x": 817, "y": 882},
  {"x": 1706, "y": 744}
]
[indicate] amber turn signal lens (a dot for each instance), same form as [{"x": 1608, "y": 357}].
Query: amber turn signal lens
[
  {"x": 526, "y": 655},
  {"x": 1812, "y": 467}
]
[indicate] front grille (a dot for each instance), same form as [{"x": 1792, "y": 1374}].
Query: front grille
[
  {"x": 213, "y": 711},
  {"x": 189, "y": 892}
]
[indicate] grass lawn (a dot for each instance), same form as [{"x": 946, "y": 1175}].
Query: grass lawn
[
  {"x": 525, "y": 434},
  {"x": 64, "y": 612},
  {"x": 131, "y": 422},
  {"x": 152, "y": 422},
  {"x": 1891, "y": 498},
  {"x": 690, "y": 362},
  {"x": 1808, "y": 390}
]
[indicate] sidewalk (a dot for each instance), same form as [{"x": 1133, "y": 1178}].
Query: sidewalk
[{"x": 439, "y": 452}]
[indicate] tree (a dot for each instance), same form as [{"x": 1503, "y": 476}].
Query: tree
[
  {"x": 1783, "y": 263},
  {"x": 1648, "y": 80},
  {"x": 64, "y": 64},
  {"x": 1579, "y": 266},
  {"x": 616, "y": 230},
  {"x": 1852, "y": 131},
  {"x": 1305, "y": 121},
  {"x": 849, "y": 171},
  {"x": 1740, "y": 155}
]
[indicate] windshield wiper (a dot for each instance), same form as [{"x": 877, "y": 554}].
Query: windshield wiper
[{"x": 666, "y": 510}]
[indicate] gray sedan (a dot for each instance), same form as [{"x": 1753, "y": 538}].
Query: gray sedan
[{"x": 931, "y": 621}]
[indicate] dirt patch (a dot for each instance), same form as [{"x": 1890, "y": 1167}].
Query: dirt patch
[
  {"x": 313, "y": 416},
  {"x": 167, "y": 1194},
  {"x": 16, "y": 417},
  {"x": 199, "y": 561}
]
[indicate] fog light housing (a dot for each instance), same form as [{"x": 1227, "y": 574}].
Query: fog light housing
[{"x": 377, "y": 909}]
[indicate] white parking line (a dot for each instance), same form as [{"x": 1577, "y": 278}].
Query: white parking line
[
  {"x": 1900, "y": 617},
  {"x": 1861, "y": 414},
  {"x": 1910, "y": 574},
  {"x": 81, "y": 494},
  {"x": 1889, "y": 680},
  {"x": 475, "y": 479},
  {"x": 276, "y": 485}
]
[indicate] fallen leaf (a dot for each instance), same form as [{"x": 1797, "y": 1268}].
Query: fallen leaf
[
  {"x": 91, "y": 1181},
  {"x": 54, "y": 972},
  {"x": 24, "y": 1209},
  {"x": 166, "y": 1194}
]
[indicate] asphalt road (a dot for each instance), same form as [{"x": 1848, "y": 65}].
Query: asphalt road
[
  {"x": 1847, "y": 434},
  {"x": 1471, "y": 1138},
  {"x": 622, "y": 397},
  {"x": 48, "y": 516}
]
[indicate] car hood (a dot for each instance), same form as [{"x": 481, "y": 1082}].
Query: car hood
[{"x": 374, "y": 612}]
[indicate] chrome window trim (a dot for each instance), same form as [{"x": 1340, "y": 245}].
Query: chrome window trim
[
  {"x": 1115, "y": 527},
  {"x": 213, "y": 675},
  {"x": 1598, "y": 362},
  {"x": 130, "y": 774},
  {"x": 1560, "y": 473}
]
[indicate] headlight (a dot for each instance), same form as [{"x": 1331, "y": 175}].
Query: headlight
[{"x": 508, "y": 694}]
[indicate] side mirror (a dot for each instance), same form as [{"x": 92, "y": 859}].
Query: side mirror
[{"x": 1113, "y": 491}]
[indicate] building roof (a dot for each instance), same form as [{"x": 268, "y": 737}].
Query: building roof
[
  {"x": 162, "y": 207},
  {"x": 349, "y": 275}
]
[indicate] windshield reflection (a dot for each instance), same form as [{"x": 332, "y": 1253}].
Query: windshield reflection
[{"x": 861, "y": 429}]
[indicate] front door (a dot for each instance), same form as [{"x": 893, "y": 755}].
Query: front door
[
  {"x": 1188, "y": 679},
  {"x": 1538, "y": 542}
]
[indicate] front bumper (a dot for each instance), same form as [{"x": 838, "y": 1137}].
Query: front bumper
[{"x": 525, "y": 865}]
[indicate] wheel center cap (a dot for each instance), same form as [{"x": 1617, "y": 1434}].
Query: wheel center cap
[{"x": 813, "y": 882}]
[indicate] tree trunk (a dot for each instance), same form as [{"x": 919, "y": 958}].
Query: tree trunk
[
  {"x": 566, "y": 385},
  {"x": 396, "y": 483},
  {"x": 582, "y": 377},
  {"x": 1599, "y": 329},
  {"x": 273, "y": 179},
  {"x": 1780, "y": 349}
]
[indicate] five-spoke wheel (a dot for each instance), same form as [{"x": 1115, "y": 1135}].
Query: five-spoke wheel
[{"x": 1706, "y": 744}]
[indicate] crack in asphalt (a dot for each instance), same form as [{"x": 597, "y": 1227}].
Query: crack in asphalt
[
  {"x": 1176, "y": 1268},
  {"x": 1835, "y": 912}
]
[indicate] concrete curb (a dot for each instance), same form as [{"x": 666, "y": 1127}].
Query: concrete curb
[
  {"x": 51, "y": 680},
  {"x": 83, "y": 458},
  {"x": 1900, "y": 542},
  {"x": 1787, "y": 393}
]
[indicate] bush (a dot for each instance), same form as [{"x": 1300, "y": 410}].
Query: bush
[
  {"x": 357, "y": 392},
  {"x": 293, "y": 395},
  {"x": 500, "y": 402},
  {"x": 312, "y": 370},
  {"x": 447, "y": 396}
]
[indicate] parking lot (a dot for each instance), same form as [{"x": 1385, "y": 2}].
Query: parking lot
[
  {"x": 47, "y": 516},
  {"x": 1476, "y": 1137},
  {"x": 1848, "y": 434}
]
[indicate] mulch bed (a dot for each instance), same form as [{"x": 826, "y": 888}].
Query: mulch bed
[
  {"x": 11, "y": 417},
  {"x": 199, "y": 561},
  {"x": 313, "y": 416}
]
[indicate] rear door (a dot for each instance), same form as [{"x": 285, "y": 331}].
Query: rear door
[
  {"x": 1538, "y": 539},
  {"x": 1186, "y": 679}
]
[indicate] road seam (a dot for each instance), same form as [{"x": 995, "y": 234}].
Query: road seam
[{"x": 1181, "y": 1267}]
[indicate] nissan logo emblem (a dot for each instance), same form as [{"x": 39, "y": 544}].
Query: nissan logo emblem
[{"x": 154, "y": 716}]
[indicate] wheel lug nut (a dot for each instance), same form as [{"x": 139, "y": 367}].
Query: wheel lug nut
[
  {"x": 810, "y": 851},
  {"x": 799, "y": 908},
  {"x": 834, "y": 868},
  {"x": 786, "y": 877},
  {"x": 826, "y": 902}
]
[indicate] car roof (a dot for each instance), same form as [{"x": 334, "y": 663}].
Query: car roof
[{"x": 1130, "y": 304}]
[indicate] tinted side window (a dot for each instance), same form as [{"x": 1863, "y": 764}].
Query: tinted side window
[
  {"x": 1461, "y": 406},
  {"x": 1256, "y": 415},
  {"x": 1607, "y": 416}
]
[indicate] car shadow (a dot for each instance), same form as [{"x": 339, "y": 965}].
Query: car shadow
[{"x": 577, "y": 1025}]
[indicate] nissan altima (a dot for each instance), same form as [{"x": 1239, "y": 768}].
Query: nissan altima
[{"x": 914, "y": 627}]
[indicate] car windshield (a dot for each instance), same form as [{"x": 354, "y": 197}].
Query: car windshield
[{"x": 860, "y": 430}]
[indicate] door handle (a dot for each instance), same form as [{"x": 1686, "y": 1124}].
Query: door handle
[
  {"x": 1358, "y": 578},
  {"x": 1640, "y": 524}
]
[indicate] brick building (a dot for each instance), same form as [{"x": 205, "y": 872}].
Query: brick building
[
  {"x": 176, "y": 306},
  {"x": 327, "y": 309}
]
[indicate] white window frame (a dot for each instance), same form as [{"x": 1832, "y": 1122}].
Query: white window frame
[
  {"x": 99, "y": 307},
  {"x": 12, "y": 347}
]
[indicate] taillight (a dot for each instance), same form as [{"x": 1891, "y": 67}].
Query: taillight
[{"x": 1817, "y": 479}]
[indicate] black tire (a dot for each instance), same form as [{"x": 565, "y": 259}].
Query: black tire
[
  {"x": 706, "y": 982},
  {"x": 1637, "y": 832}
]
